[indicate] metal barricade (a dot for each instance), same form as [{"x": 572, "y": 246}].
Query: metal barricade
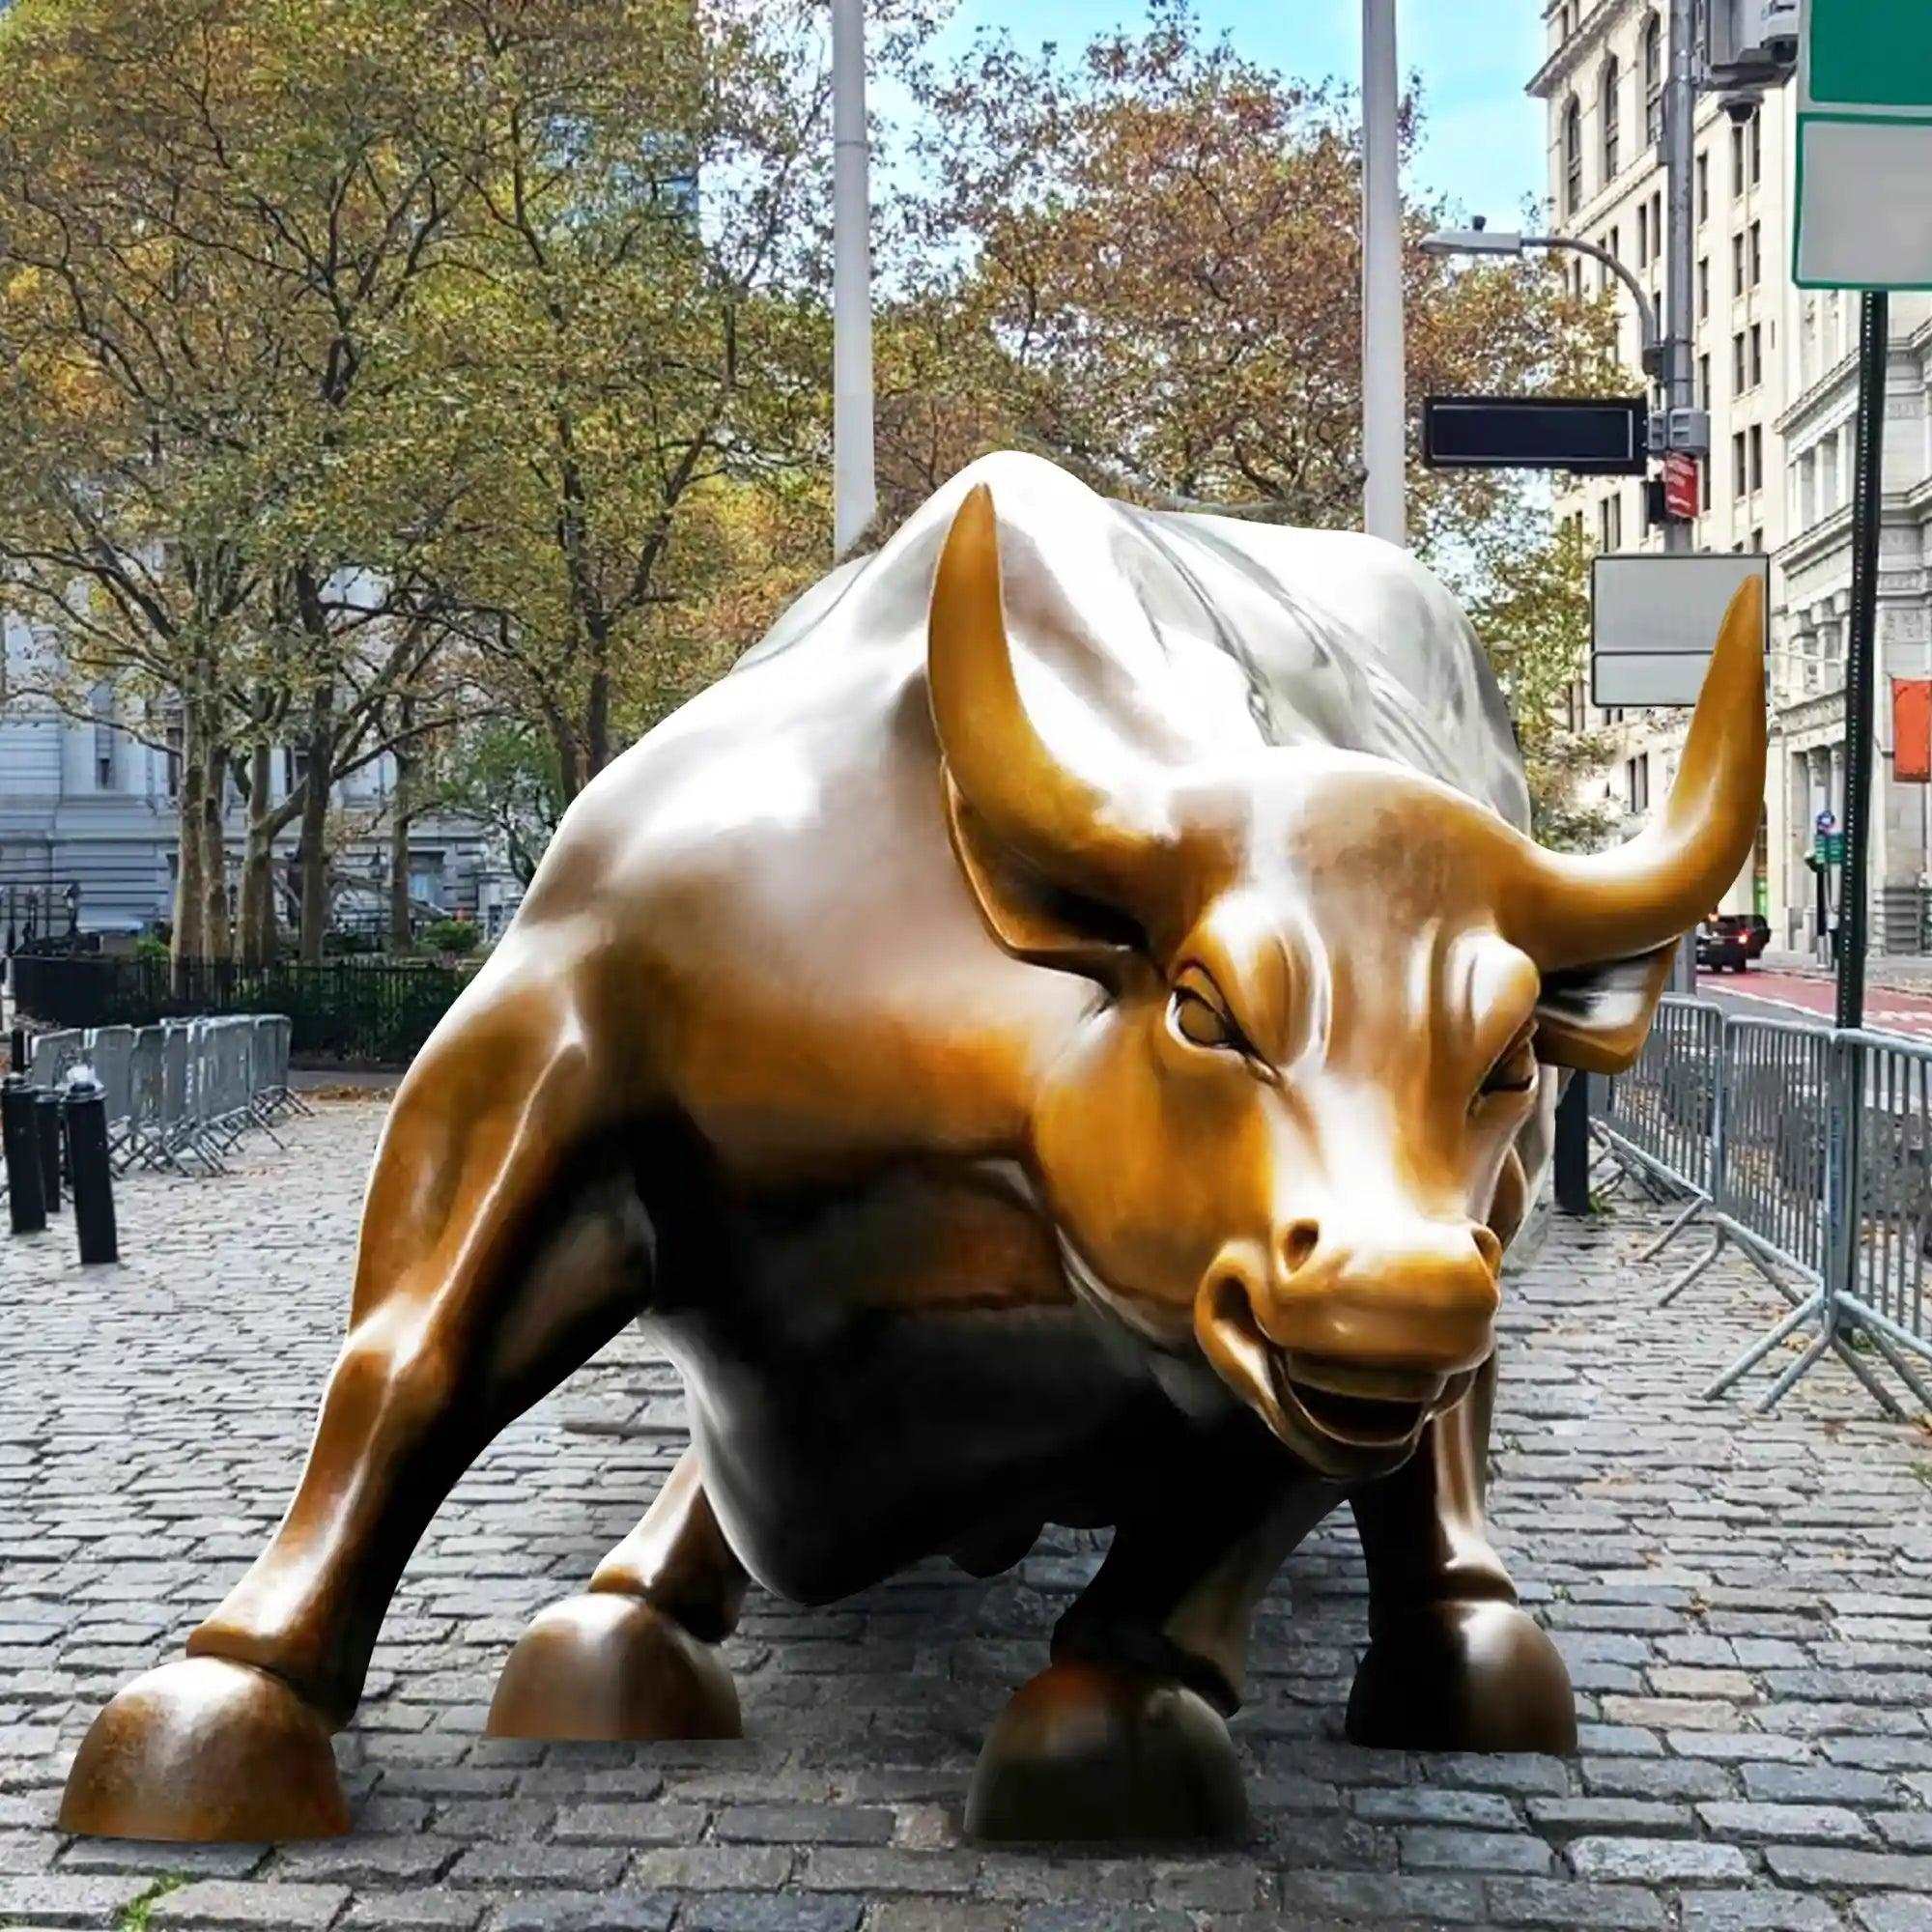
[
  {"x": 111, "y": 1052},
  {"x": 147, "y": 1099},
  {"x": 1881, "y": 1288},
  {"x": 49, "y": 1054},
  {"x": 1660, "y": 1116}
]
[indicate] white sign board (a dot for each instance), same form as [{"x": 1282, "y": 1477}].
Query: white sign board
[
  {"x": 1654, "y": 623},
  {"x": 1864, "y": 146}
]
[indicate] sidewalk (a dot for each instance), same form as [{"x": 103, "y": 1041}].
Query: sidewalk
[{"x": 1745, "y": 1604}]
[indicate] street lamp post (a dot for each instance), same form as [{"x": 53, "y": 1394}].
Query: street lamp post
[
  {"x": 854, "y": 489},
  {"x": 1384, "y": 380},
  {"x": 1481, "y": 241}
]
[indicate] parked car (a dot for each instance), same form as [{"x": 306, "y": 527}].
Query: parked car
[
  {"x": 1760, "y": 933},
  {"x": 1726, "y": 941}
]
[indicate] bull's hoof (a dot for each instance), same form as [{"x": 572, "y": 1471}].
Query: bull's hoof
[
  {"x": 608, "y": 1665},
  {"x": 205, "y": 1750},
  {"x": 1464, "y": 1677},
  {"x": 1088, "y": 1751}
]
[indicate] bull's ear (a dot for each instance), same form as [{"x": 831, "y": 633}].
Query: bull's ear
[
  {"x": 1032, "y": 918},
  {"x": 1598, "y": 1017}
]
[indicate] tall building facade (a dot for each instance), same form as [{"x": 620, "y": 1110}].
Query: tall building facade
[{"x": 1776, "y": 367}]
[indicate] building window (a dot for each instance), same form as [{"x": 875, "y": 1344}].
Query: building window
[
  {"x": 1756, "y": 354},
  {"x": 1703, "y": 188},
  {"x": 1613, "y": 121},
  {"x": 1756, "y": 149},
  {"x": 1703, "y": 287},
  {"x": 1573, "y": 155},
  {"x": 1704, "y": 484},
  {"x": 1757, "y": 540},
  {"x": 1739, "y": 482},
  {"x": 1758, "y": 456},
  {"x": 1738, "y": 384},
  {"x": 1652, "y": 80},
  {"x": 1737, "y": 160},
  {"x": 1636, "y": 783},
  {"x": 1757, "y": 253},
  {"x": 1704, "y": 381},
  {"x": 1737, "y": 265},
  {"x": 1610, "y": 520},
  {"x": 103, "y": 740},
  {"x": 1642, "y": 234}
]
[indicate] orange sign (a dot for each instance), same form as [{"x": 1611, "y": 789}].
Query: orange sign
[{"x": 1912, "y": 730}]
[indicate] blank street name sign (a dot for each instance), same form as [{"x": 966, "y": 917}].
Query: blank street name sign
[
  {"x": 1654, "y": 623},
  {"x": 1864, "y": 146}
]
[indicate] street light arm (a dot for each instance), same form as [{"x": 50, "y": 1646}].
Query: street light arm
[{"x": 1646, "y": 310}]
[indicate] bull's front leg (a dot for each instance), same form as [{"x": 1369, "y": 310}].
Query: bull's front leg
[
  {"x": 1124, "y": 1735},
  {"x": 1454, "y": 1662},
  {"x": 635, "y": 1655},
  {"x": 481, "y": 1281}
]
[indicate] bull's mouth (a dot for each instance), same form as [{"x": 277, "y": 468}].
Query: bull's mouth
[{"x": 1361, "y": 1408}]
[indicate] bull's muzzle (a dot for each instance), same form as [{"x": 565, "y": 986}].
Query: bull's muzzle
[{"x": 1346, "y": 1344}]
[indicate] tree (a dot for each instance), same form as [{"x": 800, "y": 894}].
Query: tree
[
  {"x": 213, "y": 217},
  {"x": 636, "y": 350},
  {"x": 1534, "y": 621},
  {"x": 1148, "y": 266}
]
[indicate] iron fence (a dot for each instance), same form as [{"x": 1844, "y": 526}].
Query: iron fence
[{"x": 348, "y": 1012}]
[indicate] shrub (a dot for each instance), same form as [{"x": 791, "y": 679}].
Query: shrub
[{"x": 450, "y": 936}]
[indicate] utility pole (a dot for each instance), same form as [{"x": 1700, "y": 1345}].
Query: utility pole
[
  {"x": 1384, "y": 400},
  {"x": 854, "y": 489},
  {"x": 1860, "y": 669},
  {"x": 1680, "y": 296}
]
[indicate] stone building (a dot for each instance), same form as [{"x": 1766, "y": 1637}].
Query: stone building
[
  {"x": 92, "y": 804},
  {"x": 1776, "y": 367}
]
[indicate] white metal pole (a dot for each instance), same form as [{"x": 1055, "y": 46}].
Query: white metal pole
[
  {"x": 854, "y": 492},
  {"x": 1385, "y": 399}
]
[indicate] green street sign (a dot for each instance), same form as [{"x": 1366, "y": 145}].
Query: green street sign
[
  {"x": 1870, "y": 53},
  {"x": 1864, "y": 146},
  {"x": 1829, "y": 848}
]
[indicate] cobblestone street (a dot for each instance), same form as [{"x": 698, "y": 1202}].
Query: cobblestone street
[{"x": 1745, "y": 1606}]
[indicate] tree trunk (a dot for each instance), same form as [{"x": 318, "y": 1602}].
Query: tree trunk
[
  {"x": 403, "y": 810},
  {"x": 214, "y": 939},
  {"x": 320, "y": 751},
  {"x": 188, "y": 887},
  {"x": 256, "y": 920}
]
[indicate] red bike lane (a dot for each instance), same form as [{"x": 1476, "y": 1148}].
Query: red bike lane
[{"x": 1886, "y": 1011}]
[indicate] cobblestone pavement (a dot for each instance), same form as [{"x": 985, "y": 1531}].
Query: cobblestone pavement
[{"x": 1745, "y": 1604}]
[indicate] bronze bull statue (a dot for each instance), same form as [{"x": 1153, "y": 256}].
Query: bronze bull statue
[{"x": 1063, "y": 1032}]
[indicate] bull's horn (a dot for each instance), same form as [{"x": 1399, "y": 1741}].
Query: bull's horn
[
  {"x": 1644, "y": 893},
  {"x": 1096, "y": 837}
]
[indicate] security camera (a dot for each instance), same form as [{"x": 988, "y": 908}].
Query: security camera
[
  {"x": 1782, "y": 48},
  {"x": 1741, "y": 107}
]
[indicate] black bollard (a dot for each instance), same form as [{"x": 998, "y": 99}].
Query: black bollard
[
  {"x": 1573, "y": 1147},
  {"x": 16, "y": 1051},
  {"x": 47, "y": 1125},
  {"x": 19, "y": 1117},
  {"x": 92, "y": 1174}
]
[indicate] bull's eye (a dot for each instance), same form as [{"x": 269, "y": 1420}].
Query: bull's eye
[
  {"x": 1201, "y": 1023},
  {"x": 1514, "y": 1072}
]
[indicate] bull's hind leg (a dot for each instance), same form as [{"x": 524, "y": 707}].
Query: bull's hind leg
[
  {"x": 1124, "y": 1735},
  {"x": 1454, "y": 1662},
  {"x": 482, "y": 1279},
  {"x": 635, "y": 1655}
]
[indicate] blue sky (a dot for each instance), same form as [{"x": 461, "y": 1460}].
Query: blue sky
[{"x": 1483, "y": 136}]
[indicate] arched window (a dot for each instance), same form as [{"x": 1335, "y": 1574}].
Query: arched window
[
  {"x": 1652, "y": 80},
  {"x": 1613, "y": 124},
  {"x": 1573, "y": 155}
]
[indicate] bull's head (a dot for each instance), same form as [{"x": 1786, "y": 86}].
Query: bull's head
[{"x": 1287, "y": 1134}]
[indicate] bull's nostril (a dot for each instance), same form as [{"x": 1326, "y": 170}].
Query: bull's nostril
[
  {"x": 1297, "y": 1243},
  {"x": 1490, "y": 1248}
]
